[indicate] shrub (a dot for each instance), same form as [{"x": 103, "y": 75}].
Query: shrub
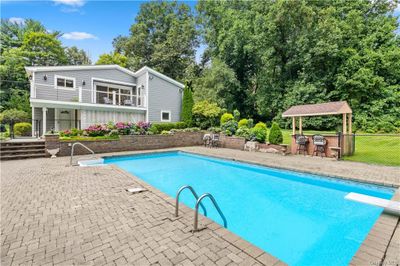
[
  {"x": 123, "y": 128},
  {"x": 275, "y": 134},
  {"x": 226, "y": 117},
  {"x": 3, "y": 128},
  {"x": 157, "y": 128},
  {"x": 250, "y": 123},
  {"x": 13, "y": 115},
  {"x": 243, "y": 123},
  {"x": 229, "y": 128},
  {"x": 97, "y": 130},
  {"x": 165, "y": 132},
  {"x": 214, "y": 129},
  {"x": 76, "y": 132},
  {"x": 236, "y": 115},
  {"x": 187, "y": 105},
  {"x": 142, "y": 127},
  {"x": 245, "y": 132},
  {"x": 206, "y": 114},
  {"x": 260, "y": 132},
  {"x": 23, "y": 129}
]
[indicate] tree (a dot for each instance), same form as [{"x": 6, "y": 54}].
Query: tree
[
  {"x": 187, "y": 105},
  {"x": 275, "y": 134},
  {"x": 163, "y": 37},
  {"x": 319, "y": 51},
  {"x": 13, "y": 115},
  {"x": 112, "y": 59},
  {"x": 77, "y": 56}
]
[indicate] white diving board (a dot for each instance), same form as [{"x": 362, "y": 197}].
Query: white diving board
[{"x": 390, "y": 206}]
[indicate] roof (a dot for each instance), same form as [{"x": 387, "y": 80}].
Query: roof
[
  {"x": 331, "y": 108},
  {"x": 96, "y": 67}
]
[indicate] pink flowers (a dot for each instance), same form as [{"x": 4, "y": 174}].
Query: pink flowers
[{"x": 123, "y": 128}]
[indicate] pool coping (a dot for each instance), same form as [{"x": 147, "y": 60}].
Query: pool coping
[
  {"x": 206, "y": 223},
  {"x": 372, "y": 250}
]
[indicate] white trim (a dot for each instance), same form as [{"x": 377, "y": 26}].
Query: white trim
[
  {"x": 66, "y": 68},
  {"x": 156, "y": 73},
  {"x": 147, "y": 96},
  {"x": 114, "y": 81},
  {"x": 169, "y": 115},
  {"x": 65, "y": 78},
  {"x": 33, "y": 122},
  {"x": 77, "y": 105}
]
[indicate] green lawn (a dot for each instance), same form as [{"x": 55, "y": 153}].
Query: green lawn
[{"x": 370, "y": 148}]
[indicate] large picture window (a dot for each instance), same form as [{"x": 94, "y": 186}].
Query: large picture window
[{"x": 115, "y": 94}]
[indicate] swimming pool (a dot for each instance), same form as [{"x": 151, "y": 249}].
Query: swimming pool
[{"x": 301, "y": 219}]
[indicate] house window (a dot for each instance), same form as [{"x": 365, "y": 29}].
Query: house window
[
  {"x": 166, "y": 116},
  {"x": 107, "y": 94},
  {"x": 65, "y": 82}
]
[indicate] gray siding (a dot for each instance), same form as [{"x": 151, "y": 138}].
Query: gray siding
[
  {"x": 38, "y": 118},
  {"x": 45, "y": 89},
  {"x": 166, "y": 96}
]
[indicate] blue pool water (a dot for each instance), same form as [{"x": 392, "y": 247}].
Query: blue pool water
[{"x": 299, "y": 218}]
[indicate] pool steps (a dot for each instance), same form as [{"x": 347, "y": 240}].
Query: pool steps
[
  {"x": 94, "y": 162},
  {"x": 390, "y": 206}
]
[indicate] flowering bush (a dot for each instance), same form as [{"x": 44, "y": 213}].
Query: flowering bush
[
  {"x": 142, "y": 127},
  {"x": 97, "y": 130},
  {"x": 124, "y": 128}
]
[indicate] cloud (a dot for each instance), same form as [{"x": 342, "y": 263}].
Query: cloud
[
  {"x": 19, "y": 21},
  {"x": 76, "y": 35},
  {"x": 73, "y": 3}
]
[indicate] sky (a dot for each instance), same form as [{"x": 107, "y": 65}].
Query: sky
[{"x": 90, "y": 25}]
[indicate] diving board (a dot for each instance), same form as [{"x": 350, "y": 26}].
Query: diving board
[{"x": 390, "y": 206}]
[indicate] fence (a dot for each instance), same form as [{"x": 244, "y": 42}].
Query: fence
[{"x": 381, "y": 149}]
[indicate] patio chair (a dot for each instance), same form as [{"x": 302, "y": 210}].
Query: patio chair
[
  {"x": 107, "y": 100},
  {"x": 207, "y": 140},
  {"x": 215, "y": 141},
  {"x": 319, "y": 145},
  {"x": 301, "y": 142}
]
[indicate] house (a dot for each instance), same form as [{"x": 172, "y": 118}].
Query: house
[{"x": 65, "y": 97}]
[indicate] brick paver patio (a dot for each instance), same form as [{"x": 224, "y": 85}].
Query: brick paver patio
[{"x": 53, "y": 214}]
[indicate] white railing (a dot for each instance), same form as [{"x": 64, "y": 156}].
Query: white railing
[{"x": 81, "y": 95}]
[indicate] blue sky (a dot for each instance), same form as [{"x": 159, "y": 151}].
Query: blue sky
[{"x": 89, "y": 25}]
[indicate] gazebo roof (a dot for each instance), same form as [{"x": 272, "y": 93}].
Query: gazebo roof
[{"x": 331, "y": 108}]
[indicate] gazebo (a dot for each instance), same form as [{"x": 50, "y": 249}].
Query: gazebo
[{"x": 321, "y": 109}]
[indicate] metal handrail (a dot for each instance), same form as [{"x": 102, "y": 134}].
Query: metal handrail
[
  {"x": 73, "y": 148},
  {"x": 196, "y": 214},
  {"x": 194, "y": 194}
]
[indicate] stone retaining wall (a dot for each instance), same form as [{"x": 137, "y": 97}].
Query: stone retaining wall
[
  {"x": 232, "y": 142},
  {"x": 127, "y": 143}
]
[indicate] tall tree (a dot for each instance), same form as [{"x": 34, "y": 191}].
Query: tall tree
[
  {"x": 77, "y": 56},
  {"x": 187, "y": 104},
  {"x": 112, "y": 59},
  {"x": 163, "y": 37},
  {"x": 286, "y": 52}
]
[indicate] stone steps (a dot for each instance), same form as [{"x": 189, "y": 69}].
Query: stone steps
[{"x": 22, "y": 150}]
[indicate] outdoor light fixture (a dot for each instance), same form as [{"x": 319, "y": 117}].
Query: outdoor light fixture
[
  {"x": 83, "y": 83},
  {"x": 151, "y": 77},
  {"x": 45, "y": 77},
  {"x": 30, "y": 77}
]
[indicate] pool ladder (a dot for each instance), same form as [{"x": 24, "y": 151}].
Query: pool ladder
[
  {"x": 73, "y": 149},
  {"x": 198, "y": 203}
]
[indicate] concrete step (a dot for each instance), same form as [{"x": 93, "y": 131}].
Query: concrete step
[
  {"x": 23, "y": 156},
  {"x": 24, "y": 143},
  {"x": 31, "y": 151},
  {"x": 21, "y": 147}
]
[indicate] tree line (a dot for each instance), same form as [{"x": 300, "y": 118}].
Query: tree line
[{"x": 261, "y": 57}]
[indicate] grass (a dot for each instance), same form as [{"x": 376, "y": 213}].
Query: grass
[
  {"x": 370, "y": 148},
  {"x": 81, "y": 138}
]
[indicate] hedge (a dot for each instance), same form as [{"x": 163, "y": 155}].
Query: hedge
[{"x": 157, "y": 128}]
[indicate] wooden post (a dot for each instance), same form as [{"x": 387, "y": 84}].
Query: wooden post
[
  {"x": 344, "y": 124},
  {"x": 350, "y": 122},
  {"x": 293, "y": 125},
  {"x": 300, "y": 125}
]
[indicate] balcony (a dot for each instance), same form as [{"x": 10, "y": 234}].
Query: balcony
[{"x": 80, "y": 96}]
